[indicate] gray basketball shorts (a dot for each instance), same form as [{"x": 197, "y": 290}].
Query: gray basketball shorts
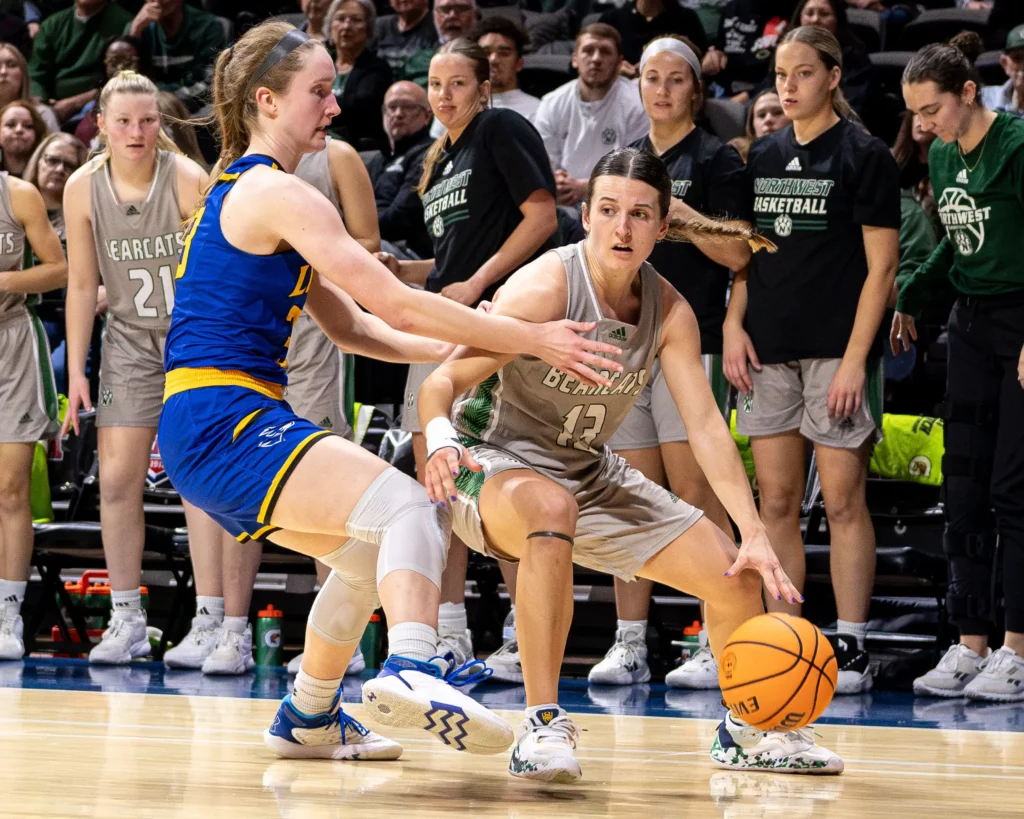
[
  {"x": 28, "y": 394},
  {"x": 794, "y": 396},
  {"x": 410, "y": 411},
  {"x": 655, "y": 419},
  {"x": 624, "y": 518},
  {"x": 131, "y": 375},
  {"x": 317, "y": 378}
]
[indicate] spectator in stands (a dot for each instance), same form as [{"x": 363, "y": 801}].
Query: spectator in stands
[
  {"x": 858, "y": 72},
  {"x": 315, "y": 24},
  {"x": 362, "y": 77},
  {"x": 53, "y": 161},
  {"x": 827, "y": 194},
  {"x": 175, "y": 124},
  {"x": 402, "y": 35},
  {"x": 455, "y": 18},
  {"x": 746, "y": 42},
  {"x": 67, "y": 57},
  {"x": 1009, "y": 97},
  {"x": 14, "y": 84},
  {"x": 182, "y": 43},
  {"x": 640, "y": 21},
  {"x": 489, "y": 203},
  {"x": 911, "y": 152},
  {"x": 505, "y": 41},
  {"x": 586, "y": 118},
  {"x": 122, "y": 53},
  {"x": 21, "y": 130},
  {"x": 977, "y": 163},
  {"x": 765, "y": 115},
  {"x": 407, "y": 118}
]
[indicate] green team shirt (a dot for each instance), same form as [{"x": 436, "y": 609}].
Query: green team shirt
[{"x": 982, "y": 253}]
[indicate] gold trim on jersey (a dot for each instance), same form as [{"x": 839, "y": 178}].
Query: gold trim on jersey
[
  {"x": 276, "y": 485},
  {"x": 262, "y": 532},
  {"x": 187, "y": 242},
  {"x": 191, "y": 378},
  {"x": 246, "y": 422}
]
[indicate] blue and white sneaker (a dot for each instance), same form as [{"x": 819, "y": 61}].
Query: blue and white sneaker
[
  {"x": 741, "y": 747},
  {"x": 412, "y": 693},
  {"x": 332, "y": 735}
]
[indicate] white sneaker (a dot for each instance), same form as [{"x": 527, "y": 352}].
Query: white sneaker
[
  {"x": 699, "y": 672},
  {"x": 196, "y": 645},
  {"x": 355, "y": 665},
  {"x": 1001, "y": 679},
  {"x": 232, "y": 654},
  {"x": 12, "y": 637},
  {"x": 958, "y": 666},
  {"x": 124, "y": 640},
  {"x": 626, "y": 661},
  {"x": 545, "y": 748},
  {"x": 742, "y": 747},
  {"x": 505, "y": 663},
  {"x": 412, "y": 693},
  {"x": 459, "y": 644}
]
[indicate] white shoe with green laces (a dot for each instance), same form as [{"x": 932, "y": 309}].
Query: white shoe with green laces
[{"x": 741, "y": 747}]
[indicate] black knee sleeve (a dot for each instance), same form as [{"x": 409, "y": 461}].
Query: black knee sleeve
[{"x": 970, "y": 556}]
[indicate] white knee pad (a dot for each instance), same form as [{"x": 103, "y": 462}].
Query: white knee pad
[
  {"x": 348, "y": 598},
  {"x": 412, "y": 533}
]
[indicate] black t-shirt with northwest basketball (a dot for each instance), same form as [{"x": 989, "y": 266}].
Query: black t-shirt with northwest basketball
[
  {"x": 813, "y": 200},
  {"x": 472, "y": 202},
  {"x": 709, "y": 177}
]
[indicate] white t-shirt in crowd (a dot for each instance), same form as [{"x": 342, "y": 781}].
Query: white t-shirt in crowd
[{"x": 577, "y": 134}]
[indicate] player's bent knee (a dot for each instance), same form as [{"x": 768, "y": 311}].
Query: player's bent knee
[
  {"x": 343, "y": 607},
  {"x": 553, "y": 511},
  {"x": 413, "y": 534}
]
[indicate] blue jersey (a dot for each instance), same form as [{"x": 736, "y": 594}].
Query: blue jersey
[{"x": 233, "y": 311}]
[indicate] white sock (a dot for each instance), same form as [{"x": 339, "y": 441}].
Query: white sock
[
  {"x": 312, "y": 696},
  {"x": 622, "y": 625},
  {"x": 508, "y": 631},
  {"x": 451, "y": 618},
  {"x": 12, "y": 595},
  {"x": 211, "y": 606},
  {"x": 126, "y": 602},
  {"x": 236, "y": 624},
  {"x": 413, "y": 640},
  {"x": 550, "y": 707},
  {"x": 858, "y": 630}
]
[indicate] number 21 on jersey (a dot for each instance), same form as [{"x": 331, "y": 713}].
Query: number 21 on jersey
[
  {"x": 581, "y": 434},
  {"x": 140, "y": 274}
]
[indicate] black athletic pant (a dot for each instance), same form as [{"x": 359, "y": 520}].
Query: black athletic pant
[{"x": 983, "y": 467}]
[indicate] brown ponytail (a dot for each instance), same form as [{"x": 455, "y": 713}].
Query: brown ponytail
[
  {"x": 472, "y": 51},
  {"x": 831, "y": 55},
  {"x": 950, "y": 66}
]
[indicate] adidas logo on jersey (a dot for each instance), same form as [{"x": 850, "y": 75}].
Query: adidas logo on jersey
[
  {"x": 326, "y": 422},
  {"x": 618, "y": 334},
  {"x": 794, "y": 164},
  {"x": 132, "y": 211},
  {"x": 25, "y": 419},
  {"x": 962, "y": 177}
]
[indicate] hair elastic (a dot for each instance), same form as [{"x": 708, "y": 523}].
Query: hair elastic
[
  {"x": 285, "y": 46},
  {"x": 676, "y": 47}
]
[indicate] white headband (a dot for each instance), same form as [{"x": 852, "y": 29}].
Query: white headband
[{"x": 676, "y": 47}]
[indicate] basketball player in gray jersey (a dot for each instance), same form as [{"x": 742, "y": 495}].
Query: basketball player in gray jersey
[
  {"x": 28, "y": 394},
  {"x": 123, "y": 213},
  {"x": 539, "y": 486}
]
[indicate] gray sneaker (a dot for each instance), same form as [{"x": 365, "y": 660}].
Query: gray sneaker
[
  {"x": 1000, "y": 680},
  {"x": 958, "y": 667}
]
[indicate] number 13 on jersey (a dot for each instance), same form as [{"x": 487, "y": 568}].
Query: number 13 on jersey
[{"x": 593, "y": 422}]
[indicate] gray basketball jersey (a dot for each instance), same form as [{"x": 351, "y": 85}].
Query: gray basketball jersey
[
  {"x": 314, "y": 168},
  {"x": 12, "y": 248},
  {"x": 137, "y": 244},
  {"x": 549, "y": 419}
]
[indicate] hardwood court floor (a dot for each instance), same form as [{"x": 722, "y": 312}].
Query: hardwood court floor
[{"x": 127, "y": 755}]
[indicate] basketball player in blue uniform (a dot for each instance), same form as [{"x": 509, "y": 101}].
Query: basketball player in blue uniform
[{"x": 254, "y": 255}]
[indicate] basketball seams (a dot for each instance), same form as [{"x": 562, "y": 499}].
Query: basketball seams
[
  {"x": 777, "y": 648},
  {"x": 810, "y": 665}
]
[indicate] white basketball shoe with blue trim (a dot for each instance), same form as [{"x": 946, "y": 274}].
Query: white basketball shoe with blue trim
[{"x": 331, "y": 735}]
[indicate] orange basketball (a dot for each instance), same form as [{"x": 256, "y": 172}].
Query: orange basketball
[{"x": 777, "y": 672}]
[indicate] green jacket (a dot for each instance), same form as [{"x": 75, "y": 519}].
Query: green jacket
[
  {"x": 917, "y": 237},
  {"x": 183, "y": 64},
  {"x": 67, "y": 55}
]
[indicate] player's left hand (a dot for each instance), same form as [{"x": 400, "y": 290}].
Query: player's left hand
[
  {"x": 756, "y": 553},
  {"x": 441, "y": 470},
  {"x": 467, "y": 292},
  {"x": 846, "y": 389}
]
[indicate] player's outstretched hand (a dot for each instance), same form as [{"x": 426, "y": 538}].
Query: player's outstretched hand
[
  {"x": 560, "y": 344},
  {"x": 78, "y": 398},
  {"x": 756, "y": 553},
  {"x": 441, "y": 471}
]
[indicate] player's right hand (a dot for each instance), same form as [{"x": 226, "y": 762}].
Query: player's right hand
[
  {"x": 441, "y": 471},
  {"x": 738, "y": 355},
  {"x": 78, "y": 398},
  {"x": 560, "y": 344},
  {"x": 903, "y": 329}
]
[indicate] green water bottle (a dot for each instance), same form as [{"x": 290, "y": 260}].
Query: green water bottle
[
  {"x": 370, "y": 644},
  {"x": 268, "y": 637}
]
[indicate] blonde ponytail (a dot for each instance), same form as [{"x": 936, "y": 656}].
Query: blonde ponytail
[{"x": 703, "y": 227}]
